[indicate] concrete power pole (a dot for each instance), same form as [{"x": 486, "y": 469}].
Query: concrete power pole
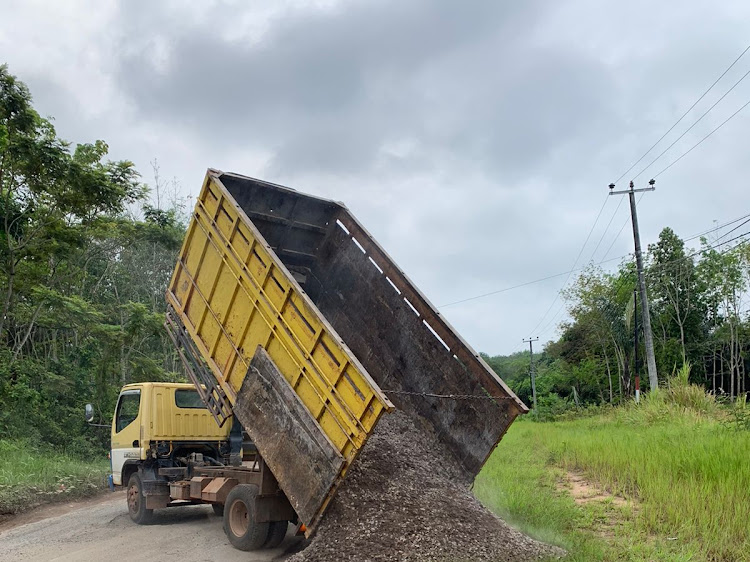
[
  {"x": 532, "y": 375},
  {"x": 648, "y": 336}
]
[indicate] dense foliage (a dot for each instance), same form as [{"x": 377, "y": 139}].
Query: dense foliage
[
  {"x": 699, "y": 318},
  {"x": 81, "y": 278}
]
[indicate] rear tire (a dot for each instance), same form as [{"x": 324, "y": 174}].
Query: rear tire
[
  {"x": 243, "y": 532},
  {"x": 137, "y": 501},
  {"x": 218, "y": 509},
  {"x": 276, "y": 533}
]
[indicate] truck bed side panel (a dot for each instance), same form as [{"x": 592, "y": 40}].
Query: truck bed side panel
[
  {"x": 417, "y": 370},
  {"x": 233, "y": 294}
]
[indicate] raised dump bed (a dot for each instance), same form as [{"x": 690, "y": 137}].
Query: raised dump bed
[{"x": 310, "y": 332}]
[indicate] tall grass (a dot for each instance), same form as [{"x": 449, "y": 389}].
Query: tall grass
[
  {"x": 688, "y": 471},
  {"x": 29, "y": 476}
]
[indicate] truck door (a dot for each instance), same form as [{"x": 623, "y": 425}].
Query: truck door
[{"x": 126, "y": 433}]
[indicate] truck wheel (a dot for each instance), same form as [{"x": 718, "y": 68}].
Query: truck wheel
[
  {"x": 243, "y": 532},
  {"x": 137, "y": 501},
  {"x": 276, "y": 533},
  {"x": 218, "y": 508}
]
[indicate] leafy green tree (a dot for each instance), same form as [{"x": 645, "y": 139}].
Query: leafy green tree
[
  {"x": 676, "y": 301},
  {"x": 81, "y": 280}
]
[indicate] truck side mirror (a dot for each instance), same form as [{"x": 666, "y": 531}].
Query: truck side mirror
[{"x": 89, "y": 413}]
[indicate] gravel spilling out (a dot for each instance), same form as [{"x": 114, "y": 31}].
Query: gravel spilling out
[{"x": 405, "y": 499}]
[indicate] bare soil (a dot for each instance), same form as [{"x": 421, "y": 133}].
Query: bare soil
[
  {"x": 405, "y": 499},
  {"x": 610, "y": 509},
  {"x": 584, "y": 492}
]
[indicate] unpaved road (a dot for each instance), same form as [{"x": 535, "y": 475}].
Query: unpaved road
[{"x": 100, "y": 529}]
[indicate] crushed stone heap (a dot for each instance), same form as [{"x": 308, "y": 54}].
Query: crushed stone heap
[{"x": 406, "y": 499}]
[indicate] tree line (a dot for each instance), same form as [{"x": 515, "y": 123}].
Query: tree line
[
  {"x": 85, "y": 256},
  {"x": 699, "y": 314}
]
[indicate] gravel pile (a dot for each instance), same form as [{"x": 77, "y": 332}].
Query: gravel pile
[{"x": 405, "y": 499}]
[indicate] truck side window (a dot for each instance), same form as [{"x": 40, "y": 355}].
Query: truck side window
[
  {"x": 188, "y": 399},
  {"x": 127, "y": 409}
]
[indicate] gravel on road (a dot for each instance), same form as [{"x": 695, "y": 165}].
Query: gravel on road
[{"x": 405, "y": 499}]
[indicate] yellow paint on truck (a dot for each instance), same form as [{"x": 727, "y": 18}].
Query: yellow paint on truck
[
  {"x": 154, "y": 411},
  {"x": 232, "y": 293}
]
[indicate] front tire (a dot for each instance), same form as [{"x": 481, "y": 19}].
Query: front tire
[
  {"x": 240, "y": 526},
  {"x": 137, "y": 501}
]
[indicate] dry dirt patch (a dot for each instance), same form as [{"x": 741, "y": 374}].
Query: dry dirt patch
[
  {"x": 608, "y": 510},
  {"x": 583, "y": 491}
]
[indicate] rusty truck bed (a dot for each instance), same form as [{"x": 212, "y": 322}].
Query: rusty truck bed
[{"x": 336, "y": 334}]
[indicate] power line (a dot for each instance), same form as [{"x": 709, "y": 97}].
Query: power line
[
  {"x": 506, "y": 289},
  {"x": 656, "y": 268},
  {"x": 605, "y": 231},
  {"x": 578, "y": 257},
  {"x": 643, "y": 170},
  {"x": 716, "y": 228},
  {"x": 703, "y": 95},
  {"x": 523, "y": 284},
  {"x": 703, "y": 139},
  {"x": 617, "y": 236},
  {"x": 547, "y": 278},
  {"x": 695, "y": 123},
  {"x": 730, "y": 231}
]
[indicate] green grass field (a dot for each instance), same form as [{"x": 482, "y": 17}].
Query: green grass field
[
  {"x": 686, "y": 474},
  {"x": 29, "y": 477}
]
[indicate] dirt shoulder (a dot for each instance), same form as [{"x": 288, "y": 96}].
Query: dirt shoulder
[{"x": 53, "y": 509}]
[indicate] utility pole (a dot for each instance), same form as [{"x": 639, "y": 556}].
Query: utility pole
[
  {"x": 648, "y": 336},
  {"x": 532, "y": 375},
  {"x": 635, "y": 347}
]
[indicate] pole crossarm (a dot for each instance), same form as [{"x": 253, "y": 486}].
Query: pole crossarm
[{"x": 622, "y": 191}]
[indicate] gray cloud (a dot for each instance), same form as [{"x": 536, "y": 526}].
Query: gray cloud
[{"x": 474, "y": 139}]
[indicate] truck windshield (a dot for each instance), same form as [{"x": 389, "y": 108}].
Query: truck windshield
[{"x": 188, "y": 399}]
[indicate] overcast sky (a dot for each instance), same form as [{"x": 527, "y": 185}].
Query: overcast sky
[{"x": 475, "y": 140}]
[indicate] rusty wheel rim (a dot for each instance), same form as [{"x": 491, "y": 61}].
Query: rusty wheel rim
[
  {"x": 133, "y": 498},
  {"x": 238, "y": 518}
]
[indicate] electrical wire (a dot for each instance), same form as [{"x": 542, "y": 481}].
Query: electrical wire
[
  {"x": 619, "y": 204},
  {"x": 534, "y": 281},
  {"x": 663, "y": 152},
  {"x": 716, "y": 228},
  {"x": 655, "y": 269},
  {"x": 575, "y": 263},
  {"x": 617, "y": 236},
  {"x": 506, "y": 289},
  {"x": 703, "y": 95},
  {"x": 703, "y": 139},
  {"x": 730, "y": 231}
]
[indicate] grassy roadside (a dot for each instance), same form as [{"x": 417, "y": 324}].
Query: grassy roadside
[
  {"x": 688, "y": 476},
  {"x": 29, "y": 477}
]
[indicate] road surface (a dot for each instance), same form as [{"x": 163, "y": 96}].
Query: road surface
[{"x": 100, "y": 529}]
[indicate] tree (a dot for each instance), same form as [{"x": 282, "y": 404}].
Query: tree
[{"x": 81, "y": 281}]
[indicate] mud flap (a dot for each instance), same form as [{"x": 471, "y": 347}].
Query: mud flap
[
  {"x": 292, "y": 444},
  {"x": 156, "y": 493}
]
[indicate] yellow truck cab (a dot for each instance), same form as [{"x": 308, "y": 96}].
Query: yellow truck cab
[{"x": 162, "y": 422}]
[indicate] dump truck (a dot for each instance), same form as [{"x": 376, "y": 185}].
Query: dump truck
[{"x": 299, "y": 332}]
